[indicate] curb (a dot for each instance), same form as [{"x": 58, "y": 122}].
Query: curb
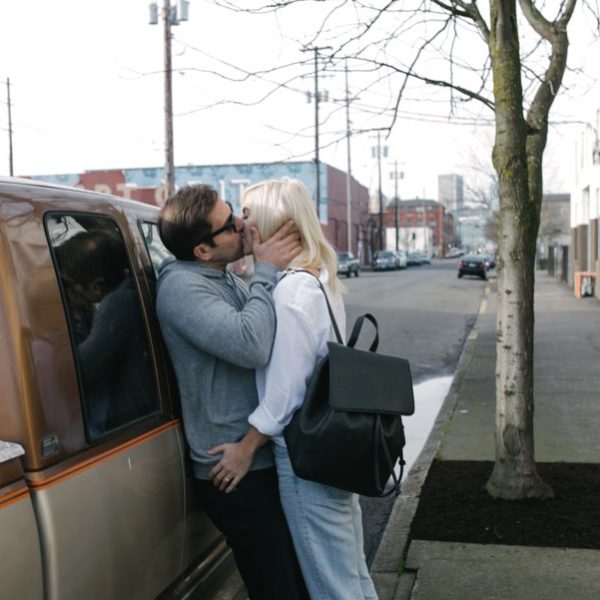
[{"x": 387, "y": 571}]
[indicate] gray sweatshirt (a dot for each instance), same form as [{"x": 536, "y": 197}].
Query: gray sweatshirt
[{"x": 217, "y": 331}]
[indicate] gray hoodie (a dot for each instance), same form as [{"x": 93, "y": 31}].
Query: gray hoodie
[{"x": 217, "y": 331}]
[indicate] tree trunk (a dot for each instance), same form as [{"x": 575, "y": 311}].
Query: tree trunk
[{"x": 514, "y": 475}]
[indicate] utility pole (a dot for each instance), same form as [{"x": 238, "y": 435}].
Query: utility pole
[
  {"x": 10, "y": 144},
  {"x": 381, "y": 233},
  {"x": 169, "y": 152},
  {"x": 171, "y": 17},
  {"x": 396, "y": 175},
  {"x": 425, "y": 242},
  {"x": 317, "y": 97},
  {"x": 349, "y": 169}
]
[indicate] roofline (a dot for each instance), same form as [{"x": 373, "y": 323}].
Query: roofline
[{"x": 25, "y": 182}]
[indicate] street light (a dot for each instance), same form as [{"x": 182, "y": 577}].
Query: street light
[{"x": 171, "y": 16}]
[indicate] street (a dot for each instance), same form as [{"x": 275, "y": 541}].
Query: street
[{"x": 424, "y": 314}]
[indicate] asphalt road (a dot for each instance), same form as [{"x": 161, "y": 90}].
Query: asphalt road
[{"x": 424, "y": 314}]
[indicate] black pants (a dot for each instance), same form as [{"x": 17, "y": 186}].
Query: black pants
[{"x": 253, "y": 522}]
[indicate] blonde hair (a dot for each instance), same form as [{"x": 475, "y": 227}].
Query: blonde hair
[{"x": 271, "y": 203}]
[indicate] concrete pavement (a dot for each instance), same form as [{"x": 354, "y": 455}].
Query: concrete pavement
[{"x": 567, "y": 413}]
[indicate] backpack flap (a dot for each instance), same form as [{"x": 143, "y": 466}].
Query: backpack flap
[{"x": 361, "y": 381}]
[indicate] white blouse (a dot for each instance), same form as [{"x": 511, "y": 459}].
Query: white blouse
[{"x": 303, "y": 330}]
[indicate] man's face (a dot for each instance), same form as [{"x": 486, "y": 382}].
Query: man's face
[
  {"x": 227, "y": 231},
  {"x": 247, "y": 233}
]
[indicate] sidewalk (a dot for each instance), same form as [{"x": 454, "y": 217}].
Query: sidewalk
[{"x": 567, "y": 415}]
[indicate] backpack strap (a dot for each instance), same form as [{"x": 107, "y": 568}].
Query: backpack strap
[{"x": 356, "y": 331}]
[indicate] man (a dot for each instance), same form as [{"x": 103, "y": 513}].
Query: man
[{"x": 218, "y": 330}]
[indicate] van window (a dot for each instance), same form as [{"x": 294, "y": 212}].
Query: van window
[
  {"x": 105, "y": 318},
  {"x": 156, "y": 249}
]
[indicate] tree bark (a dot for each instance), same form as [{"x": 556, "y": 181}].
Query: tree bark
[{"x": 514, "y": 475}]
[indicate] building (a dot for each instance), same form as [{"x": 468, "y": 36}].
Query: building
[
  {"x": 147, "y": 185},
  {"x": 472, "y": 233},
  {"x": 555, "y": 222},
  {"x": 585, "y": 206},
  {"x": 554, "y": 235},
  {"x": 451, "y": 192},
  {"x": 423, "y": 225}
]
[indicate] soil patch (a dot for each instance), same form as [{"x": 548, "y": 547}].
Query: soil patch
[{"x": 455, "y": 507}]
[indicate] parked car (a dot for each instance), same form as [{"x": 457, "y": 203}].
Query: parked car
[
  {"x": 401, "y": 259},
  {"x": 473, "y": 264},
  {"x": 454, "y": 253},
  {"x": 386, "y": 260},
  {"x": 347, "y": 264},
  {"x": 490, "y": 261},
  {"x": 96, "y": 494},
  {"x": 413, "y": 259},
  {"x": 423, "y": 258}
]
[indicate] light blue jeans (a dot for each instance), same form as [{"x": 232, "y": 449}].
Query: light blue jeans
[{"x": 326, "y": 526}]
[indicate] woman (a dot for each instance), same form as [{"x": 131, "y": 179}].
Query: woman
[{"x": 326, "y": 523}]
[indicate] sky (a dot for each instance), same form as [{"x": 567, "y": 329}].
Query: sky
[{"x": 87, "y": 93}]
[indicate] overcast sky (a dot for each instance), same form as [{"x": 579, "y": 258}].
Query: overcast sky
[{"x": 87, "y": 93}]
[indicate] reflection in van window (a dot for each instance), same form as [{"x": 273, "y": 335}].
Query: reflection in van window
[
  {"x": 156, "y": 249},
  {"x": 105, "y": 320}
]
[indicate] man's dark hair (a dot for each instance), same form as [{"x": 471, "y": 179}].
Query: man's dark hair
[
  {"x": 93, "y": 255},
  {"x": 183, "y": 220}
]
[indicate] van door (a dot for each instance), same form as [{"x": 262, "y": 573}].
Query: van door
[{"x": 110, "y": 516}]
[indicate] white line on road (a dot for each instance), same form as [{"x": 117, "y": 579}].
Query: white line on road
[{"x": 482, "y": 306}]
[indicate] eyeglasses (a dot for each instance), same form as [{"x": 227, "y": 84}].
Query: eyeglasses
[{"x": 229, "y": 225}]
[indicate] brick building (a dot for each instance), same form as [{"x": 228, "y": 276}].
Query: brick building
[{"x": 419, "y": 214}]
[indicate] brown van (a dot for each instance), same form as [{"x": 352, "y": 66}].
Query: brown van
[{"x": 95, "y": 500}]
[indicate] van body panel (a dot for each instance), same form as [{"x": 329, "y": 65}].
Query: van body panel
[
  {"x": 131, "y": 507},
  {"x": 19, "y": 540},
  {"x": 19, "y": 546}
]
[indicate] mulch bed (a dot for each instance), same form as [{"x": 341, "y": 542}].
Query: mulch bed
[{"x": 455, "y": 507}]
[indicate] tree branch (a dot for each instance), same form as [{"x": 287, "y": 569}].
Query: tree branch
[
  {"x": 436, "y": 82},
  {"x": 538, "y": 22},
  {"x": 473, "y": 10},
  {"x": 567, "y": 14}
]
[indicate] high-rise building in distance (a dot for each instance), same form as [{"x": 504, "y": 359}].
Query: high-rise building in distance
[{"x": 450, "y": 192}]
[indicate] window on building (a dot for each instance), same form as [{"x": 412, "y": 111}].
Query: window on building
[{"x": 105, "y": 319}]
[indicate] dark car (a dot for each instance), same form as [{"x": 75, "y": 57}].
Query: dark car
[
  {"x": 473, "y": 264},
  {"x": 490, "y": 260},
  {"x": 347, "y": 264},
  {"x": 386, "y": 260}
]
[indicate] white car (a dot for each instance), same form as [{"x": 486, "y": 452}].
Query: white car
[{"x": 402, "y": 262}]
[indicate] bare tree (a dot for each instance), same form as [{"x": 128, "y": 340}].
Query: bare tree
[{"x": 515, "y": 72}]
